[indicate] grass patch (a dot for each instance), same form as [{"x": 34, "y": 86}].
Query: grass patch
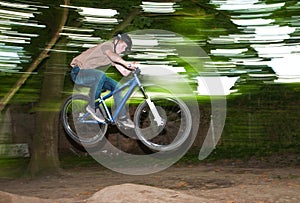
[
  {"x": 16, "y": 167},
  {"x": 13, "y": 167},
  {"x": 67, "y": 162},
  {"x": 239, "y": 152}
]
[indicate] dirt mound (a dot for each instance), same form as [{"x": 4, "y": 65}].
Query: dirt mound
[
  {"x": 140, "y": 193},
  {"x": 11, "y": 198},
  {"x": 133, "y": 193}
]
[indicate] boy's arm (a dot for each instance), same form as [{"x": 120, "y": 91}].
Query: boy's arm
[
  {"x": 115, "y": 58},
  {"x": 120, "y": 63},
  {"x": 124, "y": 71}
]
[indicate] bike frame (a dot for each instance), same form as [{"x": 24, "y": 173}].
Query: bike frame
[{"x": 132, "y": 84}]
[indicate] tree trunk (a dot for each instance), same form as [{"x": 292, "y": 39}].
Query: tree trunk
[{"x": 44, "y": 144}]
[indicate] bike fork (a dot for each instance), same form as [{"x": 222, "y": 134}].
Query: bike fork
[
  {"x": 154, "y": 111},
  {"x": 157, "y": 117}
]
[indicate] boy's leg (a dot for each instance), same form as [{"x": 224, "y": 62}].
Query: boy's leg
[
  {"x": 110, "y": 84},
  {"x": 92, "y": 78}
]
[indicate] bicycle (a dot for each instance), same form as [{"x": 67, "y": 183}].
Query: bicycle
[{"x": 163, "y": 122}]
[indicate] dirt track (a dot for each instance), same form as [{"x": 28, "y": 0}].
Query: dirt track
[{"x": 221, "y": 182}]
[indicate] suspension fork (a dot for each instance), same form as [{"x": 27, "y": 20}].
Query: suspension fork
[
  {"x": 154, "y": 111},
  {"x": 157, "y": 117}
]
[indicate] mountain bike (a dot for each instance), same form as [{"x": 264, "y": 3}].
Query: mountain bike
[{"x": 163, "y": 121}]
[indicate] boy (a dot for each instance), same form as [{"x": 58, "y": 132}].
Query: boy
[{"x": 84, "y": 72}]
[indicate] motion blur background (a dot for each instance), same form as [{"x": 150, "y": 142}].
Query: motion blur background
[{"x": 253, "y": 47}]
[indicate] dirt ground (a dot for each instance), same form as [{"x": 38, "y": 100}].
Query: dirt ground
[{"x": 223, "y": 181}]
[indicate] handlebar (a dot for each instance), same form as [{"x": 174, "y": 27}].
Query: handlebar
[{"x": 136, "y": 71}]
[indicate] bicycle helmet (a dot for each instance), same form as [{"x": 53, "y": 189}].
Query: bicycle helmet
[{"x": 125, "y": 38}]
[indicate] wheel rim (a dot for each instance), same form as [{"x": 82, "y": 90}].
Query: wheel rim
[
  {"x": 85, "y": 134},
  {"x": 172, "y": 133}
]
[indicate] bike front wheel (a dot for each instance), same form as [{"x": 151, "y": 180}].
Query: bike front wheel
[
  {"x": 78, "y": 123},
  {"x": 172, "y": 132}
]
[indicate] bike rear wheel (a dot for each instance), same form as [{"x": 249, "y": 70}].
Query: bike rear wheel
[
  {"x": 176, "y": 127},
  {"x": 78, "y": 123}
]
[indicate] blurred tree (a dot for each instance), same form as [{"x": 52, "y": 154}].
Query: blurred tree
[{"x": 44, "y": 143}]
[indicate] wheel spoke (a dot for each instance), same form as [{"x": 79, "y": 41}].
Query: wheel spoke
[
  {"x": 175, "y": 130},
  {"x": 78, "y": 124}
]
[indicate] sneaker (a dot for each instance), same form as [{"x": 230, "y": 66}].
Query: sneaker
[
  {"x": 126, "y": 122},
  {"x": 95, "y": 113}
]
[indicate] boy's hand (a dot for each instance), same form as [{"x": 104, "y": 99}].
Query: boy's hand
[{"x": 132, "y": 65}]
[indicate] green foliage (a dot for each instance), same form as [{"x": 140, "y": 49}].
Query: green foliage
[
  {"x": 269, "y": 115},
  {"x": 266, "y": 115},
  {"x": 142, "y": 22},
  {"x": 262, "y": 123},
  {"x": 244, "y": 152},
  {"x": 74, "y": 162},
  {"x": 13, "y": 167}
]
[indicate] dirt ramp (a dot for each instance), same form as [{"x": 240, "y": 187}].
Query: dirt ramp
[
  {"x": 135, "y": 193},
  {"x": 123, "y": 193},
  {"x": 11, "y": 198},
  {"x": 6, "y": 197}
]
